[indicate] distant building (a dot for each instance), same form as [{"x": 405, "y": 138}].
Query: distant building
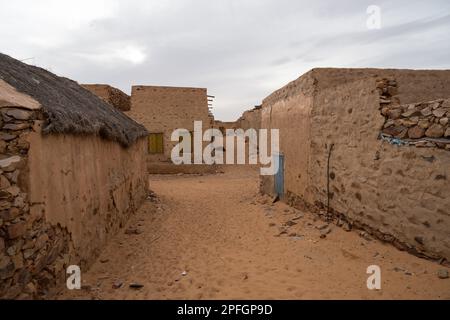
[
  {"x": 164, "y": 109},
  {"x": 111, "y": 95}
]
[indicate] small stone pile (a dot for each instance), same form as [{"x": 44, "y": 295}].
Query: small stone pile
[
  {"x": 425, "y": 124},
  {"x": 33, "y": 254}
]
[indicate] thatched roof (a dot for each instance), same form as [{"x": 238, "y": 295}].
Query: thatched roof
[{"x": 68, "y": 107}]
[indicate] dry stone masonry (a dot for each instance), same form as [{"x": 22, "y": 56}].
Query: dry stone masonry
[
  {"x": 424, "y": 124},
  {"x": 33, "y": 254}
]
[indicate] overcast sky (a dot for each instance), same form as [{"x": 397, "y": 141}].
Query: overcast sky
[{"x": 241, "y": 50}]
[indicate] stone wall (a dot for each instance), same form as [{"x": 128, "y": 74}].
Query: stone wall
[
  {"x": 424, "y": 124},
  {"x": 111, "y": 95},
  {"x": 33, "y": 252},
  {"x": 397, "y": 193},
  {"x": 61, "y": 197}
]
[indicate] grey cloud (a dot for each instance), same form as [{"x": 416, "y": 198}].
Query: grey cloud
[{"x": 240, "y": 50}]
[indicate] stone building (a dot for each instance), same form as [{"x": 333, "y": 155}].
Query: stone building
[
  {"x": 164, "y": 109},
  {"x": 368, "y": 148},
  {"x": 113, "y": 96},
  {"x": 72, "y": 170}
]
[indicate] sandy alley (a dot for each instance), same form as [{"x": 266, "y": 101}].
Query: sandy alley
[{"x": 215, "y": 237}]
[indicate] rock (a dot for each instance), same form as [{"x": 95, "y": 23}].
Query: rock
[
  {"x": 407, "y": 123},
  {"x": 11, "y": 251},
  {"x": 275, "y": 199},
  {"x": 389, "y": 123},
  {"x": 10, "y": 164},
  {"x": 392, "y": 90},
  {"x": 131, "y": 231},
  {"x": 2, "y": 146},
  {"x": 16, "y": 230},
  {"x": 347, "y": 227},
  {"x": 394, "y": 113},
  {"x": 5, "y": 195},
  {"x": 411, "y": 113},
  {"x": 14, "y": 191},
  {"x": 18, "y": 261},
  {"x": 395, "y": 131},
  {"x": 416, "y": 132},
  {"x": 290, "y": 223},
  {"x": 7, "y": 136},
  {"x": 403, "y": 134},
  {"x": 443, "y": 121},
  {"x": 10, "y": 214},
  {"x": 425, "y": 124},
  {"x": 443, "y": 274},
  {"x": 435, "y": 131},
  {"x": 184, "y": 273},
  {"x": 136, "y": 285},
  {"x": 439, "y": 112},
  {"x": 19, "y": 114},
  {"x": 6, "y": 267},
  {"x": 426, "y": 112},
  {"x": 322, "y": 226},
  {"x": 447, "y": 133},
  {"x": 4, "y": 182},
  {"x": 22, "y": 143},
  {"x": 4, "y": 205},
  {"x": 28, "y": 253},
  {"x": 16, "y": 126},
  {"x": 324, "y": 232},
  {"x": 365, "y": 235},
  {"x": 41, "y": 241},
  {"x": 104, "y": 260},
  {"x": 419, "y": 240},
  {"x": 13, "y": 176},
  {"x": 117, "y": 284},
  {"x": 384, "y": 111},
  {"x": 30, "y": 288},
  {"x": 19, "y": 202},
  {"x": 384, "y": 101}
]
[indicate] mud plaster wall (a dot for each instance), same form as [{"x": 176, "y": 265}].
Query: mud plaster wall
[
  {"x": 165, "y": 109},
  {"x": 398, "y": 192},
  {"x": 250, "y": 119},
  {"x": 86, "y": 184}
]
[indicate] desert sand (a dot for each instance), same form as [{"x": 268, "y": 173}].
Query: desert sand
[{"x": 215, "y": 237}]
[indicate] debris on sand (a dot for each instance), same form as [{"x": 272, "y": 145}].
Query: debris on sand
[
  {"x": 133, "y": 230},
  {"x": 136, "y": 285},
  {"x": 117, "y": 284},
  {"x": 443, "y": 274}
]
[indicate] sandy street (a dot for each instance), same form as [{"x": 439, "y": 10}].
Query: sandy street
[{"x": 215, "y": 237}]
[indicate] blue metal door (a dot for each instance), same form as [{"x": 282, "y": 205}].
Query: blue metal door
[{"x": 279, "y": 175}]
